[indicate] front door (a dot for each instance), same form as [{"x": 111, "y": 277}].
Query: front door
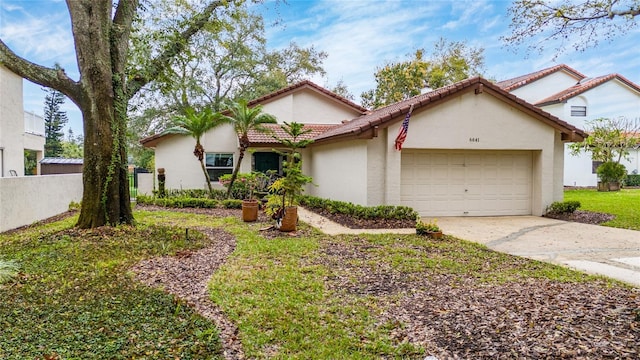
[{"x": 264, "y": 161}]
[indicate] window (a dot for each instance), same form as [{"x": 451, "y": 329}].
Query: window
[
  {"x": 578, "y": 111},
  {"x": 219, "y": 164},
  {"x": 594, "y": 166}
]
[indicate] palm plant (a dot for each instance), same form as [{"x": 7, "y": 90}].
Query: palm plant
[
  {"x": 245, "y": 119},
  {"x": 196, "y": 124}
]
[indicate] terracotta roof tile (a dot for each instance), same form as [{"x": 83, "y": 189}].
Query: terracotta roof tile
[
  {"x": 583, "y": 86},
  {"x": 257, "y": 138},
  {"x": 512, "y": 84},
  {"x": 395, "y": 112}
]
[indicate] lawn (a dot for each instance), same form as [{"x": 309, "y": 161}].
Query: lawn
[
  {"x": 624, "y": 204},
  {"x": 308, "y": 296}
]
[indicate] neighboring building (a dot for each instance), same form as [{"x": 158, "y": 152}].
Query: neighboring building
[
  {"x": 577, "y": 99},
  {"x": 22, "y": 135},
  {"x": 51, "y": 166},
  {"x": 472, "y": 149}
]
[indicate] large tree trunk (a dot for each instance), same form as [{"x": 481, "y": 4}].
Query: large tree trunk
[{"x": 102, "y": 60}]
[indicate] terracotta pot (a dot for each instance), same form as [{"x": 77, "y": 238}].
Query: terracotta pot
[
  {"x": 289, "y": 219},
  {"x": 249, "y": 210},
  {"x": 434, "y": 234}
]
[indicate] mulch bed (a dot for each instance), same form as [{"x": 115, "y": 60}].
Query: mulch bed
[
  {"x": 354, "y": 223},
  {"x": 452, "y": 317},
  {"x": 585, "y": 217}
]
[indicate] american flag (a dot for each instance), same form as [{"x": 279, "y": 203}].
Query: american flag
[{"x": 404, "y": 128}]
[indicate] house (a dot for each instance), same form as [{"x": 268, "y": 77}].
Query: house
[
  {"x": 472, "y": 149},
  {"x": 577, "y": 99},
  {"x": 22, "y": 135}
]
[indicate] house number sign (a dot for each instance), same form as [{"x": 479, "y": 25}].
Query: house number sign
[{"x": 473, "y": 139}]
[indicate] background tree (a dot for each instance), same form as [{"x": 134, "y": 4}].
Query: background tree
[
  {"x": 101, "y": 31},
  {"x": 450, "y": 62},
  {"x": 245, "y": 119},
  {"x": 569, "y": 24},
  {"x": 196, "y": 124},
  {"x": 225, "y": 61},
  {"x": 54, "y": 121},
  {"x": 72, "y": 147},
  {"x": 609, "y": 139}
]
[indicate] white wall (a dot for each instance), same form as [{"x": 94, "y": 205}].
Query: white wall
[
  {"x": 182, "y": 169},
  {"x": 340, "y": 171},
  {"x": 27, "y": 199},
  {"x": 146, "y": 183},
  {"x": 309, "y": 107},
  {"x": 11, "y": 123},
  {"x": 608, "y": 100},
  {"x": 545, "y": 87}
]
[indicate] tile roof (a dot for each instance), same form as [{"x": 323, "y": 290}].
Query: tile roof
[
  {"x": 584, "y": 85},
  {"x": 258, "y": 139},
  {"x": 388, "y": 115},
  {"x": 306, "y": 84},
  {"x": 62, "y": 161},
  {"x": 512, "y": 84}
]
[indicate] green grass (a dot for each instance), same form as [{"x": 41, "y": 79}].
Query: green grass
[
  {"x": 624, "y": 204},
  {"x": 75, "y": 298}
]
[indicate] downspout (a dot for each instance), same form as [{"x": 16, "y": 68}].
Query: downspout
[{"x": 1, "y": 162}]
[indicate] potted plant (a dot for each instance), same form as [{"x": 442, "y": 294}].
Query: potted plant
[
  {"x": 430, "y": 229},
  {"x": 244, "y": 188},
  {"x": 287, "y": 190},
  {"x": 610, "y": 174}
]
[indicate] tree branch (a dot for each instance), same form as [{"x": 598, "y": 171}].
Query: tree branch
[
  {"x": 51, "y": 78},
  {"x": 172, "y": 49},
  {"x": 120, "y": 32}
]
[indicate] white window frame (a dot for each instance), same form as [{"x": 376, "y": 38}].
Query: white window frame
[{"x": 214, "y": 165}]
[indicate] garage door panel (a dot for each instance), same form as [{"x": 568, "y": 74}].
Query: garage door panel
[{"x": 475, "y": 183}]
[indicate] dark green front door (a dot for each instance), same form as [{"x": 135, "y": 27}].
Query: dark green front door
[{"x": 264, "y": 161}]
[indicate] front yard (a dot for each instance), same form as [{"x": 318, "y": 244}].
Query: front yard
[
  {"x": 624, "y": 204},
  {"x": 79, "y": 295}
]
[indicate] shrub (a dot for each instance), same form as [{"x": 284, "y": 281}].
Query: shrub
[
  {"x": 632, "y": 180},
  {"x": 182, "y": 202},
  {"x": 564, "y": 207},
  {"x": 359, "y": 211},
  {"x": 611, "y": 172},
  {"x": 232, "y": 203}
]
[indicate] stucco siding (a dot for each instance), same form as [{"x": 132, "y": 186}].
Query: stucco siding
[
  {"x": 309, "y": 107},
  {"x": 479, "y": 122},
  {"x": 340, "y": 171},
  {"x": 11, "y": 123},
  {"x": 182, "y": 169},
  {"x": 482, "y": 122},
  {"x": 376, "y": 169},
  {"x": 24, "y": 200},
  {"x": 545, "y": 87},
  {"x": 608, "y": 100}
]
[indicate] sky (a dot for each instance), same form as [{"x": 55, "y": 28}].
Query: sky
[{"x": 357, "y": 35}]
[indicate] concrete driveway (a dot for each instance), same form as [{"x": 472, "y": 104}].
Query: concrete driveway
[{"x": 590, "y": 248}]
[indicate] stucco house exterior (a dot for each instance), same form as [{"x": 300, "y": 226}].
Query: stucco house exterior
[
  {"x": 472, "y": 149},
  {"x": 20, "y": 131},
  {"x": 578, "y": 99}
]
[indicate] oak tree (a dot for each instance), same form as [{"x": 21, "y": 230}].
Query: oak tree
[
  {"x": 577, "y": 24},
  {"x": 101, "y": 31}
]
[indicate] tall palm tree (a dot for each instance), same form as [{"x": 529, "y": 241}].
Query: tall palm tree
[
  {"x": 195, "y": 124},
  {"x": 245, "y": 119}
]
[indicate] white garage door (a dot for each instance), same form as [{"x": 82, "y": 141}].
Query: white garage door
[{"x": 467, "y": 183}]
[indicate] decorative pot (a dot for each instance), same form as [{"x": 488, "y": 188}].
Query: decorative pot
[
  {"x": 603, "y": 186},
  {"x": 249, "y": 210},
  {"x": 431, "y": 234},
  {"x": 614, "y": 186},
  {"x": 289, "y": 219}
]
